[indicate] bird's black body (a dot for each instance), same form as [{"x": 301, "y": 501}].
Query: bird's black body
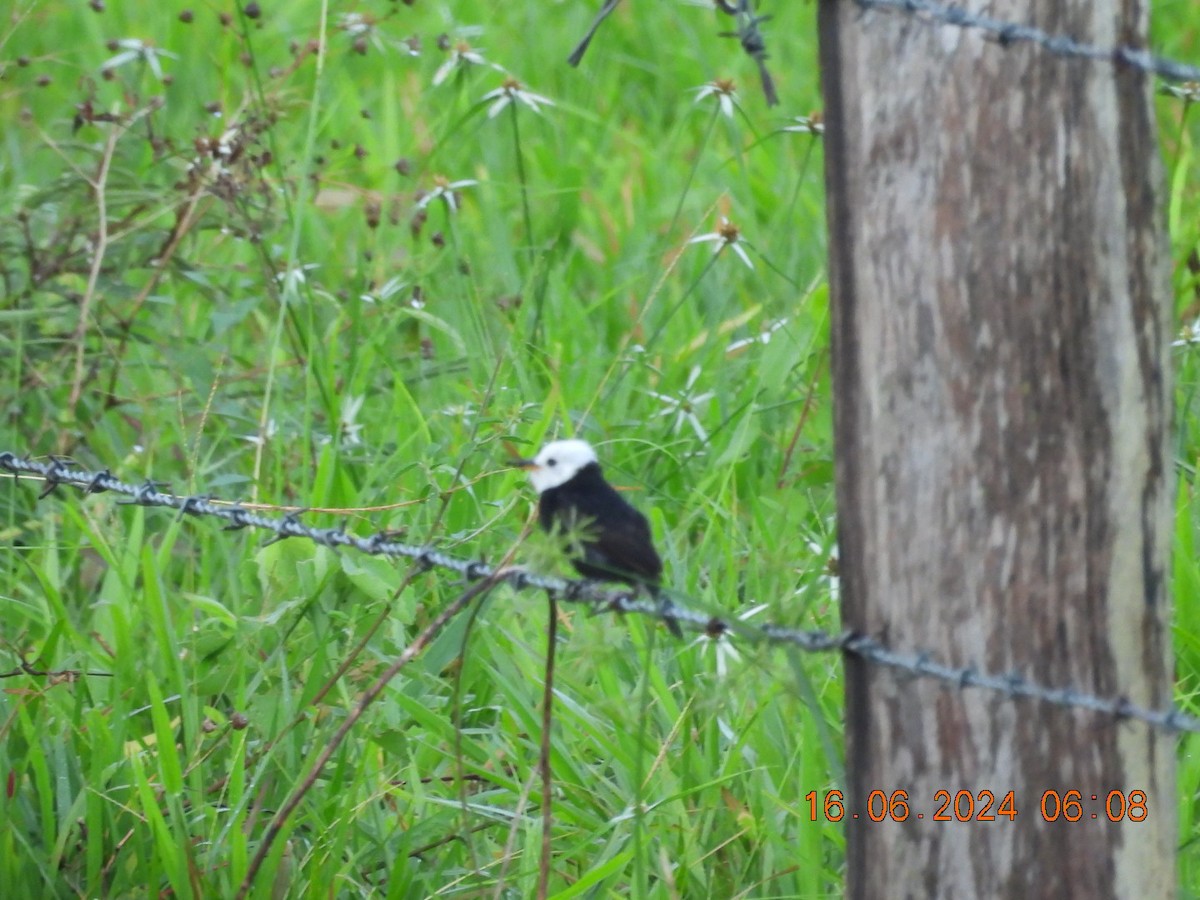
[
  {"x": 610, "y": 540},
  {"x": 614, "y": 538}
]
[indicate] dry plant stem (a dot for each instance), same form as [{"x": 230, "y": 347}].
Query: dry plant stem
[
  {"x": 510, "y": 845},
  {"x": 652, "y": 341},
  {"x": 418, "y": 852},
  {"x": 640, "y": 777},
  {"x": 419, "y": 643},
  {"x": 460, "y": 768},
  {"x": 293, "y": 247},
  {"x": 612, "y": 378},
  {"x": 804, "y": 413},
  {"x": 99, "y": 185},
  {"x": 488, "y": 393},
  {"x": 350, "y": 659},
  {"x": 544, "y": 759},
  {"x": 712, "y": 124},
  {"x": 352, "y": 656},
  {"x": 182, "y": 227},
  {"x": 213, "y": 391}
]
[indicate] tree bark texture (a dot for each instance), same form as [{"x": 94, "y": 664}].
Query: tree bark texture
[{"x": 1000, "y": 312}]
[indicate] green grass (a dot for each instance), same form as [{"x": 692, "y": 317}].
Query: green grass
[{"x": 281, "y": 327}]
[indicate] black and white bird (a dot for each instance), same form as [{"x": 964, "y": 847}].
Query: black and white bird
[{"x": 614, "y": 542}]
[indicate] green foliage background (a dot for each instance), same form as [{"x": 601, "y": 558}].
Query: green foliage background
[{"x": 230, "y": 261}]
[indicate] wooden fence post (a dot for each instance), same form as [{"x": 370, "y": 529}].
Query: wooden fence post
[{"x": 1000, "y": 292}]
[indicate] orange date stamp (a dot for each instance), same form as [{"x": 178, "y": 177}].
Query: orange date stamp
[{"x": 982, "y": 806}]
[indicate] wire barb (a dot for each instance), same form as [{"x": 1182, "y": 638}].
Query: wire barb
[
  {"x": 602, "y": 598},
  {"x": 752, "y": 41}
]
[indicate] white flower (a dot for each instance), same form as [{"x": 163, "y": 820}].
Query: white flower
[
  {"x": 363, "y": 31},
  {"x": 351, "y": 429},
  {"x": 1189, "y": 335},
  {"x": 683, "y": 407},
  {"x": 722, "y": 89},
  {"x": 814, "y": 125},
  {"x": 513, "y": 90},
  {"x": 386, "y": 291},
  {"x": 736, "y": 738},
  {"x": 1189, "y": 91},
  {"x": 133, "y": 49},
  {"x": 463, "y": 411},
  {"x": 827, "y": 576},
  {"x": 763, "y": 337},
  {"x": 261, "y": 439},
  {"x": 726, "y": 235},
  {"x": 292, "y": 279},
  {"x": 723, "y": 648},
  {"x": 461, "y": 56},
  {"x": 444, "y": 189},
  {"x": 355, "y": 24},
  {"x": 829, "y": 572}
]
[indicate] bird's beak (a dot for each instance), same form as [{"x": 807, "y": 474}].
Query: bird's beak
[{"x": 515, "y": 460}]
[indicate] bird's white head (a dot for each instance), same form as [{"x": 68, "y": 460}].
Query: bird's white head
[{"x": 557, "y": 463}]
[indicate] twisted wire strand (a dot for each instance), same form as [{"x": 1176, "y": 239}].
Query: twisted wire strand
[
  {"x": 1009, "y": 33},
  {"x": 600, "y": 598}
]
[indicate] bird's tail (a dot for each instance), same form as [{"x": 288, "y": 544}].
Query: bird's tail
[{"x": 665, "y": 608}]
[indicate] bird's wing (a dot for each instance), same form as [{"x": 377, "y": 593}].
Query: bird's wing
[
  {"x": 615, "y": 540},
  {"x": 624, "y": 548}
]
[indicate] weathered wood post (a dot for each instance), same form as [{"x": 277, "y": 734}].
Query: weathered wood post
[{"x": 1000, "y": 291}]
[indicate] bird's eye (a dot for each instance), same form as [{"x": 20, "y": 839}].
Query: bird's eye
[{"x": 551, "y": 462}]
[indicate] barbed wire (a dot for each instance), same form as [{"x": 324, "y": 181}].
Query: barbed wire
[
  {"x": 599, "y": 597},
  {"x": 1003, "y": 32},
  {"x": 749, "y": 36},
  {"x": 747, "y": 33},
  {"x": 1009, "y": 33}
]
